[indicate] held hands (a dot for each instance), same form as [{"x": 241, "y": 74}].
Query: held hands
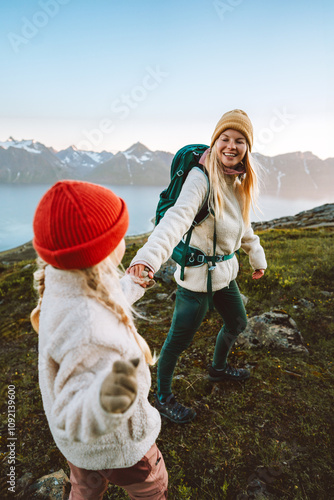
[
  {"x": 258, "y": 274},
  {"x": 144, "y": 276},
  {"x": 119, "y": 388},
  {"x": 141, "y": 275}
]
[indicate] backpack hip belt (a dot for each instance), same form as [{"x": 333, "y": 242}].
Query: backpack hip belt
[
  {"x": 189, "y": 256},
  {"x": 197, "y": 258}
]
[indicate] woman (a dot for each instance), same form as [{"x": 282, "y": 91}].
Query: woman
[{"x": 233, "y": 189}]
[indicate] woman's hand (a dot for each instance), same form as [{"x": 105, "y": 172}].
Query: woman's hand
[
  {"x": 141, "y": 275},
  {"x": 258, "y": 274}
]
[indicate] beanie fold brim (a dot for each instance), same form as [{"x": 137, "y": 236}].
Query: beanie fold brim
[
  {"x": 236, "y": 120},
  {"x": 86, "y": 254}
]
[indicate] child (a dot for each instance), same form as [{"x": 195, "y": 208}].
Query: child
[{"x": 93, "y": 371}]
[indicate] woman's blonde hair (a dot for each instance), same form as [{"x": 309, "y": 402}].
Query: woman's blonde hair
[
  {"x": 247, "y": 184},
  {"x": 96, "y": 283}
]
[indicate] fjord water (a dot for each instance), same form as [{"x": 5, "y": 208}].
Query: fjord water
[{"x": 18, "y": 204}]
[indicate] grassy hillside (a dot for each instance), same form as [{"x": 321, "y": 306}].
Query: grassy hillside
[{"x": 273, "y": 433}]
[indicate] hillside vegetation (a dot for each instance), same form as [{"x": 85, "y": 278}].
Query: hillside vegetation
[{"x": 272, "y": 434}]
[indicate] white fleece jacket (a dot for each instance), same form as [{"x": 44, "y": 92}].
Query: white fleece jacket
[
  {"x": 231, "y": 235},
  {"x": 79, "y": 340}
]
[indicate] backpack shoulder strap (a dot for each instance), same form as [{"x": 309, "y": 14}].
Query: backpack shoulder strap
[{"x": 203, "y": 212}]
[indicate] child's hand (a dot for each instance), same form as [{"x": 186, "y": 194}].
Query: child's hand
[
  {"x": 141, "y": 275},
  {"x": 119, "y": 388}
]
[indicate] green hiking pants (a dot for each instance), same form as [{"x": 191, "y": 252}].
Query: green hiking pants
[{"x": 189, "y": 312}]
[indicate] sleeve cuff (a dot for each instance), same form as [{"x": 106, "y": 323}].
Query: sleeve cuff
[
  {"x": 143, "y": 263},
  {"x": 132, "y": 291}
]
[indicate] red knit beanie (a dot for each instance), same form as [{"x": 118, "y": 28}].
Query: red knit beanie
[{"x": 78, "y": 224}]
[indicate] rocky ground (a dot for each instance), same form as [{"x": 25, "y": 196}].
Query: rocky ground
[
  {"x": 269, "y": 438},
  {"x": 322, "y": 216}
]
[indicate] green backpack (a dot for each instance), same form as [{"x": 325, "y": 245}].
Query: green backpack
[
  {"x": 185, "y": 255},
  {"x": 184, "y": 160}
]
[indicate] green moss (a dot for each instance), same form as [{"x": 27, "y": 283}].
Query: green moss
[{"x": 276, "y": 427}]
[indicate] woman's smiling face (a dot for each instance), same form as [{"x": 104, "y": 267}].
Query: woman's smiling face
[{"x": 231, "y": 147}]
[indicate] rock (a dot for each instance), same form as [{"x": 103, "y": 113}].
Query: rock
[
  {"x": 306, "y": 303},
  {"x": 54, "y": 486},
  {"x": 256, "y": 490},
  {"x": 322, "y": 216},
  {"x": 23, "y": 483},
  {"x": 293, "y": 323},
  {"x": 244, "y": 299},
  {"x": 269, "y": 474},
  {"x": 257, "y": 483},
  {"x": 142, "y": 303},
  {"x": 166, "y": 272},
  {"x": 326, "y": 293},
  {"x": 273, "y": 329},
  {"x": 161, "y": 296}
]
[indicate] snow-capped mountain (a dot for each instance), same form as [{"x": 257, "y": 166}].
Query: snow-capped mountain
[
  {"x": 135, "y": 166},
  {"x": 291, "y": 175},
  {"x": 83, "y": 159},
  {"x": 296, "y": 175},
  {"x": 30, "y": 162},
  {"x": 30, "y": 145},
  {"x": 138, "y": 152}
]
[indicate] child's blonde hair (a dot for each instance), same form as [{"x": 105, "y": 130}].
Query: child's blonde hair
[{"x": 96, "y": 278}]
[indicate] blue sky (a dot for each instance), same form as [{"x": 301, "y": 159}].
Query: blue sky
[{"x": 102, "y": 74}]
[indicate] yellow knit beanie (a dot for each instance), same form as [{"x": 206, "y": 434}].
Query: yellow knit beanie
[{"x": 237, "y": 120}]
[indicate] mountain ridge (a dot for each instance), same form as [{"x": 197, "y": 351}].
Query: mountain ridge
[{"x": 289, "y": 175}]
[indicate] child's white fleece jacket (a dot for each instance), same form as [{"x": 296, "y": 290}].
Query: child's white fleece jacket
[
  {"x": 79, "y": 340},
  {"x": 230, "y": 228}
]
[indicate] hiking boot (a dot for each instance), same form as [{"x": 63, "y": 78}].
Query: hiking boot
[
  {"x": 228, "y": 373},
  {"x": 173, "y": 410}
]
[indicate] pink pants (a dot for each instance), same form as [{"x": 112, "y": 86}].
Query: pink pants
[{"x": 146, "y": 479}]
